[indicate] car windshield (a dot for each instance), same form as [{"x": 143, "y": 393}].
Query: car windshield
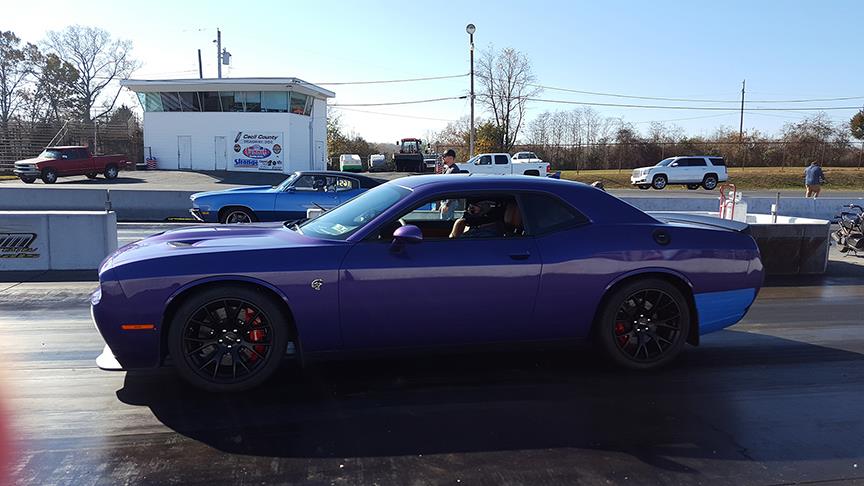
[
  {"x": 287, "y": 182},
  {"x": 50, "y": 154},
  {"x": 665, "y": 162},
  {"x": 342, "y": 221}
]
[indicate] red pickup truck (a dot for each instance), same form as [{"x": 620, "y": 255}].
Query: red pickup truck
[{"x": 56, "y": 162}]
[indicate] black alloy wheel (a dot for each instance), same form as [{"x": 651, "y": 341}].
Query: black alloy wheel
[
  {"x": 49, "y": 176},
  {"x": 645, "y": 324},
  {"x": 238, "y": 216},
  {"x": 227, "y": 340}
]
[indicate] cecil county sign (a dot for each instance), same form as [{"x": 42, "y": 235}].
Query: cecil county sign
[{"x": 258, "y": 151}]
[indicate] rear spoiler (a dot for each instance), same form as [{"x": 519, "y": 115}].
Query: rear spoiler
[{"x": 701, "y": 219}]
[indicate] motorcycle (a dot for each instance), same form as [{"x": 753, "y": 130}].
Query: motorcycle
[{"x": 850, "y": 233}]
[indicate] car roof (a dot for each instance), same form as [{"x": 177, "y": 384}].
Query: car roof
[
  {"x": 457, "y": 181},
  {"x": 365, "y": 181},
  {"x": 64, "y": 147}
]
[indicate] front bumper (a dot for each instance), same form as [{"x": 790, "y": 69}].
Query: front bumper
[
  {"x": 107, "y": 361},
  {"x": 26, "y": 171},
  {"x": 641, "y": 179},
  {"x": 203, "y": 216}
]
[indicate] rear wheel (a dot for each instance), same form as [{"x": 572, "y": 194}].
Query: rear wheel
[
  {"x": 49, "y": 176},
  {"x": 644, "y": 324},
  {"x": 228, "y": 339},
  {"x": 111, "y": 172},
  {"x": 659, "y": 182},
  {"x": 709, "y": 182}
]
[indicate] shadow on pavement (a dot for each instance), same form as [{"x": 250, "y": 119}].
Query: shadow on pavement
[
  {"x": 101, "y": 181},
  {"x": 739, "y": 397}
]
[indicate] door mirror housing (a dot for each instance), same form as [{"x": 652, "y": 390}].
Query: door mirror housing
[
  {"x": 290, "y": 189},
  {"x": 407, "y": 234},
  {"x": 673, "y": 164}
]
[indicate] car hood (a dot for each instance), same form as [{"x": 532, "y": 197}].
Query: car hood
[
  {"x": 244, "y": 190},
  {"x": 212, "y": 239},
  {"x": 34, "y": 160}
]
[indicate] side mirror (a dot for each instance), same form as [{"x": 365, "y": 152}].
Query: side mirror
[
  {"x": 404, "y": 235},
  {"x": 64, "y": 156},
  {"x": 673, "y": 164}
]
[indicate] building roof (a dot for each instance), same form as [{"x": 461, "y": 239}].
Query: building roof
[{"x": 227, "y": 84}]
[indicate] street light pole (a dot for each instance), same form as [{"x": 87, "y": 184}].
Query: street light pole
[
  {"x": 470, "y": 29},
  {"x": 219, "y": 53}
]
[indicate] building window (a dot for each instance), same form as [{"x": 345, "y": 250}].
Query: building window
[
  {"x": 274, "y": 101},
  {"x": 170, "y": 102},
  {"x": 150, "y": 101},
  {"x": 210, "y": 101},
  {"x": 301, "y": 104},
  {"x": 230, "y": 102},
  {"x": 189, "y": 101},
  {"x": 253, "y": 101}
]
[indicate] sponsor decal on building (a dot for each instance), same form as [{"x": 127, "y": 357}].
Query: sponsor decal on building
[
  {"x": 258, "y": 151},
  {"x": 18, "y": 245}
]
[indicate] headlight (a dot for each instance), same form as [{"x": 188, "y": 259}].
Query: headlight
[{"x": 96, "y": 296}]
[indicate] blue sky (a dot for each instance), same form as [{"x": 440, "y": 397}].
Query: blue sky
[{"x": 683, "y": 49}]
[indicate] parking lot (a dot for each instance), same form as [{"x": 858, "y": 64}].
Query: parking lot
[{"x": 774, "y": 400}]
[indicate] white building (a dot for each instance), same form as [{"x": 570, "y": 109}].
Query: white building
[{"x": 242, "y": 124}]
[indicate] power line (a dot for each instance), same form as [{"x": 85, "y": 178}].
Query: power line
[
  {"x": 393, "y": 114},
  {"x": 692, "y": 100},
  {"x": 413, "y": 102},
  {"x": 386, "y": 81},
  {"x": 697, "y": 108}
]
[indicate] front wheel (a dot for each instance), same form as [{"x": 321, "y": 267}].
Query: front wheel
[
  {"x": 659, "y": 182},
  {"x": 644, "y": 324},
  {"x": 237, "y": 216},
  {"x": 111, "y": 172},
  {"x": 228, "y": 339},
  {"x": 49, "y": 176}
]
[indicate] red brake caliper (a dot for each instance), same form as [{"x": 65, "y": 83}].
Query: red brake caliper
[
  {"x": 255, "y": 335},
  {"x": 621, "y": 332}
]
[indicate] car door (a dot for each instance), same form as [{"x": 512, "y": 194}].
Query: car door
[
  {"x": 696, "y": 169},
  {"x": 440, "y": 291},
  {"x": 308, "y": 191},
  {"x": 502, "y": 165},
  {"x": 483, "y": 165},
  {"x": 69, "y": 162}
]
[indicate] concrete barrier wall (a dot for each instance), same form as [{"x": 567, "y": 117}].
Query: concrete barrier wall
[
  {"x": 56, "y": 240},
  {"x": 145, "y": 205}
]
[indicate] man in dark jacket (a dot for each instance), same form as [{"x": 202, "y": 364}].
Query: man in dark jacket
[
  {"x": 813, "y": 179},
  {"x": 450, "y": 166}
]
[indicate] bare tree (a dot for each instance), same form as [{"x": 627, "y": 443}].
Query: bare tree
[
  {"x": 98, "y": 58},
  {"x": 15, "y": 68},
  {"x": 506, "y": 83}
]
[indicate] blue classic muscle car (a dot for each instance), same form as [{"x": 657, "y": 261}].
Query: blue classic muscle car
[
  {"x": 287, "y": 201},
  {"x": 509, "y": 260}
]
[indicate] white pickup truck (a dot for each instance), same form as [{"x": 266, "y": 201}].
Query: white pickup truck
[{"x": 502, "y": 164}]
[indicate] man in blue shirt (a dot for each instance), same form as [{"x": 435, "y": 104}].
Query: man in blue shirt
[{"x": 813, "y": 179}]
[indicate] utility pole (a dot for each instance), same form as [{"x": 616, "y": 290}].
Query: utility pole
[
  {"x": 471, "y": 29},
  {"x": 741, "y": 126},
  {"x": 200, "y": 70},
  {"x": 219, "y": 53}
]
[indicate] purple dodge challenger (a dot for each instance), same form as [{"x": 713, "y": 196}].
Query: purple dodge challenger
[{"x": 425, "y": 263}]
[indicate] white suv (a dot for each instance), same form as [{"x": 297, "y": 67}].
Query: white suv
[{"x": 692, "y": 171}]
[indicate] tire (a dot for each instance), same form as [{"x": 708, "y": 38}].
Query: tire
[
  {"x": 237, "y": 216},
  {"x": 631, "y": 337},
  {"x": 92, "y": 175},
  {"x": 659, "y": 182},
  {"x": 532, "y": 173},
  {"x": 709, "y": 182},
  {"x": 692, "y": 187},
  {"x": 644, "y": 187},
  {"x": 49, "y": 176},
  {"x": 28, "y": 180},
  {"x": 220, "y": 352},
  {"x": 111, "y": 172}
]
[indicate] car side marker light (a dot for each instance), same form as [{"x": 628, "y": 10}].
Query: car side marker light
[{"x": 138, "y": 327}]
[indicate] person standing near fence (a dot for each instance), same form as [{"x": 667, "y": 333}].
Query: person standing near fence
[{"x": 813, "y": 180}]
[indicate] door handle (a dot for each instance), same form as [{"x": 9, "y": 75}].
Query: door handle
[{"x": 520, "y": 256}]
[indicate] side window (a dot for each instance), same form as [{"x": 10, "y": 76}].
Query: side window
[
  {"x": 546, "y": 214},
  {"x": 485, "y": 160},
  {"x": 310, "y": 183},
  {"x": 343, "y": 184},
  {"x": 500, "y": 160},
  {"x": 718, "y": 161},
  {"x": 82, "y": 154},
  {"x": 697, "y": 162}
]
